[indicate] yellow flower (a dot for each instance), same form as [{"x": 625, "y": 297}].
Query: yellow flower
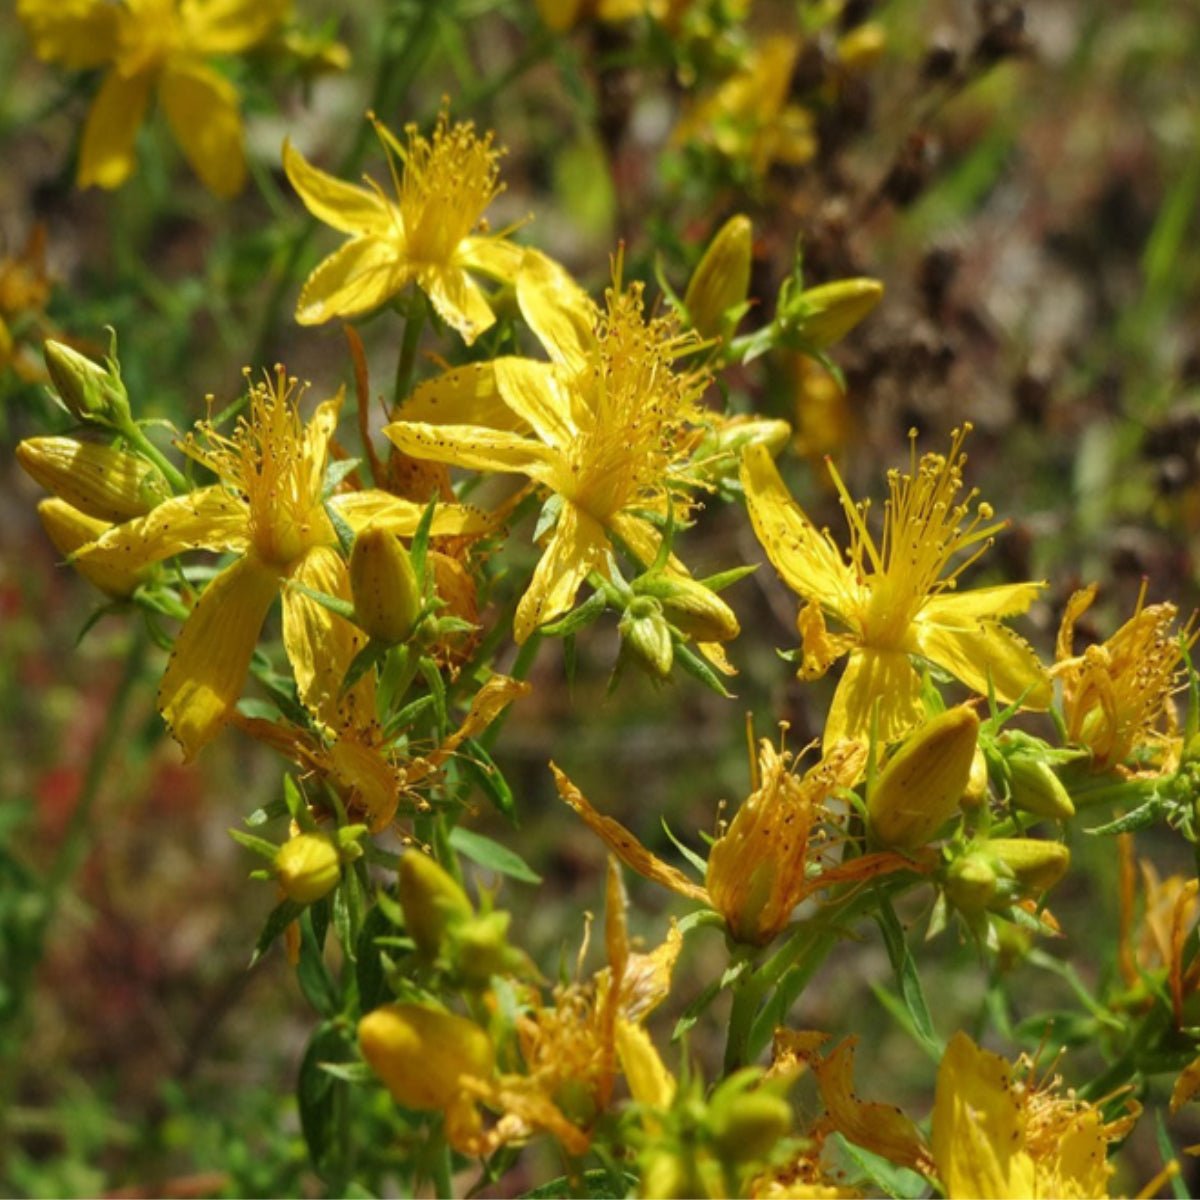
[
  {"x": 155, "y": 45},
  {"x": 431, "y": 234},
  {"x": 365, "y": 767},
  {"x": 1117, "y": 695},
  {"x": 574, "y": 1048},
  {"x": 998, "y": 1132},
  {"x": 603, "y": 426},
  {"x": 896, "y": 598},
  {"x": 772, "y": 856},
  {"x": 267, "y": 510},
  {"x": 749, "y": 119}
]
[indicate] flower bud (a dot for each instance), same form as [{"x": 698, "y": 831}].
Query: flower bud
[
  {"x": 644, "y": 630},
  {"x": 975, "y": 793},
  {"x": 432, "y": 901},
  {"x": 823, "y": 315},
  {"x": 69, "y": 529},
  {"x": 745, "y": 1125},
  {"x": 721, "y": 282},
  {"x": 692, "y": 608},
  {"x": 920, "y": 788},
  {"x": 862, "y": 46},
  {"x": 665, "y": 1176},
  {"x": 387, "y": 597},
  {"x": 478, "y": 949},
  {"x": 422, "y": 1053},
  {"x": 972, "y": 883},
  {"x": 1037, "y": 789},
  {"x": 308, "y": 867},
  {"x": 734, "y": 434},
  {"x": 1036, "y": 865},
  {"x": 90, "y": 391},
  {"x": 110, "y": 484}
]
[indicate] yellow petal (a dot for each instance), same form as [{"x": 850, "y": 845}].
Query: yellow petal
[
  {"x": 458, "y": 300},
  {"x": 473, "y": 446},
  {"x": 881, "y": 1128},
  {"x": 321, "y": 645},
  {"x": 354, "y": 279},
  {"x": 202, "y": 110},
  {"x": 344, "y": 206},
  {"x": 208, "y": 666},
  {"x": 229, "y": 26},
  {"x": 1077, "y": 1164},
  {"x": 965, "y": 608},
  {"x": 1186, "y": 1086},
  {"x": 978, "y": 1131},
  {"x": 577, "y": 546},
  {"x": 467, "y": 395},
  {"x": 624, "y": 845},
  {"x": 106, "y": 158},
  {"x": 210, "y": 518},
  {"x": 804, "y": 556},
  {"x": 885, "y": 677},
  {"x": 493, "y": 256},
  {"x": 534, "y": 391},
  {"x": 989, "y": 650},
  {"x": 318, "y": 433},
  {"x": 399, "y": 516},
  {"x": 650, "y": 1082},
  {"x": 557, "y": 309},
  {"x": 80, "y": 34}
]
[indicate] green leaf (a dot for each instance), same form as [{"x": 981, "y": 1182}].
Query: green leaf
[
  {"x": 281, "y": 916},
  {"x": 907, "y": 978},
  {"x": 437, "y": 688},
  {"x": 481, "y": 767},
  {"x": 336, "y": 472},
  {"x": 315, "y": 1094},
  {"x": 548, "y": 517},
  {"x": 345, "y": 535},
  {"x": 268, "y": 812},
  {"x": 696, "y": 861},
  {"x": 579, "y": 618},
  {"x": 492, "y": 855},
  {"x": 695, "y": 666},
  {"x": 885, "y": 1177},
  {"x": 419, "y": 547},
  {"x": 297, "y": 807},
  {"x": 368, "y": 970},
  {"x": 363, "y": 662},
  {"x": 594, "y": 1185},
  {"x": 1141, "y": 817},
  {"x": 256, "y": 845},
  {"x": 1179, "y": 1187},
  {"x": 696, "y": 1009},
  {"x": 343, "y": 608},
  {"x": 723, "y": 579},
  {"x": 311, "y": 973}
]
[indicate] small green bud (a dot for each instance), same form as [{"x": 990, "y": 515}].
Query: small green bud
[
  {"x": 692, "y": 608},
  {"x": 387, "y": 597},
  {"x": 972, "y": 883},
  {"x": 716, "y": 294},
  {"x": 1037, "y": 789},
  {"x": 920, "y": 788},
  {"x": 823, "y": 315},
  {"x": 308, "y": 867},
  {"x": 478, "y": 948},
  {"x": 91, "y": 392},
  {"x": 432, "y": 901},
  {"x": 745, "y": 1125},
  {"x": 1036, "y": 865},
  {"x": 644, "y": 630}
]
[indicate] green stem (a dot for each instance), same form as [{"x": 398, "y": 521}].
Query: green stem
[
  {"x": 408, "y": 349},
  {"x": 520, "y": 669},
  {"x": 747, "y": 996},
  {"x": 132, "y": 432}
]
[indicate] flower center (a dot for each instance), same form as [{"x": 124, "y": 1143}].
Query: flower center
[{"x": 148, "y": 34}]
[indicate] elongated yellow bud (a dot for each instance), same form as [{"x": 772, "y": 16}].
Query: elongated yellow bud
[
  {"x": 920, "y": 788},
  {"x": 1037, "y": 789},
  {"x": 1036, "y": 865},
  {"x": 110, "y": 484},
  {"x": 308, "y": 867},
  {"x": 691, "y": 607},
  {"x": 69, "y": 529},
  {"x": 432, "y": 901},
  {"x": 977, "y": 782},
  {"x": 644, "y": 630},
  {"x": 422, "y": 1053},
  {"x": 823, "y": 315},
  {"x": 387, "y": 598},
  {"x": 90, "y": 391},
  {"x": 721, "y": 282}
]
